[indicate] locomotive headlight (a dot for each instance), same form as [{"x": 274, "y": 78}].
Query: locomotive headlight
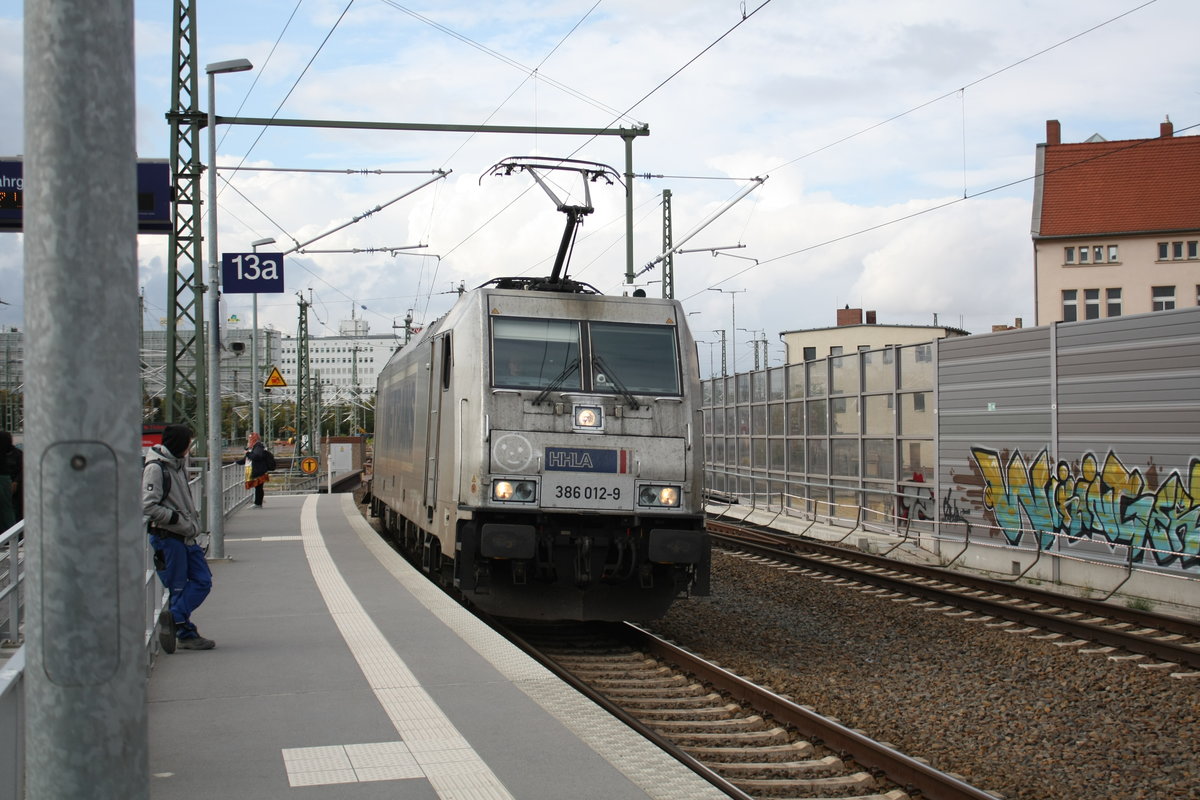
[
  {"x": 589, "y": 417},
  {"x": 514, "y": 491},
  {"x": 659, "y": 496}
]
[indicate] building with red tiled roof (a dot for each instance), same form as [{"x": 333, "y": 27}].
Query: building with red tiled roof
[{"x": 1116, "y": 225}]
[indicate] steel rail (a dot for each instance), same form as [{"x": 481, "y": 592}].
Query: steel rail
[
  {"x": 641, "y": 728},
  {"x": 909, "y": 772},
  {"x": 784, "y": 548}
]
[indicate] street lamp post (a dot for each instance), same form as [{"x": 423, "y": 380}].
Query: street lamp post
[
  {"x": 216, "y": 520},
  {"x": 254, "y": 382},
  {"x": 733, "y": 293}
]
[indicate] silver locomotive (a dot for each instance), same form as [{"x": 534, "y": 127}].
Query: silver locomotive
[{"x": 539, "y": 448}]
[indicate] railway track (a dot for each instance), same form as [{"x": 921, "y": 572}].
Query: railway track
[
  {"x": 1094, "y": 627},
  {"x": 744, "y": 739}
]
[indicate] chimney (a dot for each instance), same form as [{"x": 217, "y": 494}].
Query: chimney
[
  {"x": 1018, "y": 323},
  {"x": 870, "y": 317},
  {"x": 849, "y": 316},
  {"x": 1166, "y": 129},
  {"x": 1053, "y": 132}
]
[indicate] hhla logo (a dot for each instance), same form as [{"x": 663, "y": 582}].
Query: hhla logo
[{"x": 569, "y": 459}]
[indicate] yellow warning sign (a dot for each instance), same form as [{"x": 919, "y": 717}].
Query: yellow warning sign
[
  {"x": 308, "y": 465},
  {"x": 274, "y": 379}
]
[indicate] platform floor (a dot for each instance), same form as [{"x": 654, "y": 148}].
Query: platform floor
[{"x": 339, "y": 672}]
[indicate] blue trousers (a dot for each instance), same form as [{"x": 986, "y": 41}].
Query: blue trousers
[{"x": 183, "y": 569}]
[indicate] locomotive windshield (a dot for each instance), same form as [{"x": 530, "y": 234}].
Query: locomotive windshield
[
  {"x": 642, "y": 358},
  {"x": 620, "y": 357},
  {"x": 532, "y": 353}
]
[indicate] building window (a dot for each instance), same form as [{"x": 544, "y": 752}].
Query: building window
[
  {"x": 1098, "y": 255},
  {"x": 1112, "y": 254},
  {"x": 1177, "y": 250},
  {"x": 1084, "y": 253},
  {"x": 1162, "y": 298},
  {"x": 1192, "y": 249},
  {"x": 836, "y": 350},
  {"x": 1068, "y": 255},
  {"x": 1091, "y": 304},
  {"x": 1070, "y": 305},
  {"x": 1113, "y": 296},
  {"x": 810, "y": 354},
  {"x": 1163, "y": 251}
]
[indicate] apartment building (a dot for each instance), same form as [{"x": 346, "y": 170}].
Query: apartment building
[
  {"x": 1116, "y": 225},
  {"x": 855, "y": 333}
]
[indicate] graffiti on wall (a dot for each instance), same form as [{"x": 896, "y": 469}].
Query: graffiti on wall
[{"x": 1107, "y": 503}]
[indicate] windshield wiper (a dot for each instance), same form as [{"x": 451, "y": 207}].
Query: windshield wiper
[
  {"x": 558, "y": 381},
  {"x": 612, "y": 376}
]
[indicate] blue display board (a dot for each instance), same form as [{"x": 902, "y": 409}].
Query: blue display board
[{"x": 153, "y": 200}]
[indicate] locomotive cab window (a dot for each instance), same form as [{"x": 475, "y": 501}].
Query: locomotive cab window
[
  {"x": 643, "y": 359},
  {"x": 533, "y": 353},
  {"x": 618, "y": 357}
]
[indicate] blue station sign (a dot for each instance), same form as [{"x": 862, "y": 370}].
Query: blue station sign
[
  {"x": 252, "y": 273},
  {"x": 153, "y": 195}
]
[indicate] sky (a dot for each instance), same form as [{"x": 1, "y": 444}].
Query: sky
[{"x": 895, "y": 139}]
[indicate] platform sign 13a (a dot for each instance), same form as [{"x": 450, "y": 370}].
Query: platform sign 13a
[{"x": 252, "y": 273}]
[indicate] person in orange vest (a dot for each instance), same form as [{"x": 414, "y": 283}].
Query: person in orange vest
[{"x": 259, "y": 463}]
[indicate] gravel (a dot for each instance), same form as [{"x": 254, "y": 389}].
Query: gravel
[{"x": 1013, "y": 715}]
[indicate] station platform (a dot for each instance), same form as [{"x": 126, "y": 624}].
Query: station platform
[{"x": 340, "y": 672}]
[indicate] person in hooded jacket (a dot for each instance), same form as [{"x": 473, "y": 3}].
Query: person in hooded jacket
[
  {"x": 11, "y": 477},
  {"x": 256, "y": 457},
  {"x": 174, "y": 526}
]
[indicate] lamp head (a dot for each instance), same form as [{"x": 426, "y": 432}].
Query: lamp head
[{"x": 233, "y": 65}]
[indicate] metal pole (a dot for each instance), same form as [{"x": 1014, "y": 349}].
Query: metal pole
[
  {"x": 628, "y": 137},
  {"x": 733, "y": 293},
  {"x": 85, "y": 684},
  {"x": 255, "y": 388},
  {"x": 216, "y": 514}
]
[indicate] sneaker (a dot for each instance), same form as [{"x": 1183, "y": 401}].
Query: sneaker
[
  {"x": 196, "y": 642},
  {"x": 166, "y": 631}
]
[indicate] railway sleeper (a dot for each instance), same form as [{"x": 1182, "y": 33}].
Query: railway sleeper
[
  {"x": 619, "y": 683},
  {"x": 725, "y": 712},
  {"x": 823, "y": 766},
  {"x": 730, "y": 755},
  {"x": 638, "y": 670},
  {"x": 676, "y": 690},
  {"x": 585, "y": 661},
  {"x": 737, "y": 739},
  {"x": 753, "y": 723},
  {"x": 855, "y": 782},
  {"x": 671, "y": 702}
]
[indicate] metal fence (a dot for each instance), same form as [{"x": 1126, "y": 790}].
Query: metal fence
[
  {"x": 12, "y": 616},
  {"x": 1024, "y": 452}
]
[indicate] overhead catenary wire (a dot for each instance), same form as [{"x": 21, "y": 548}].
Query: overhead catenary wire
[
  {"x": 512, "y": 62},
  {"x": 263, "y": 68},
  {"x": 958, "y": 90},
  {"x": 349, "y": 171},
  {"x": 962, "y": 88},
  {"x": 937, "y": 207}
]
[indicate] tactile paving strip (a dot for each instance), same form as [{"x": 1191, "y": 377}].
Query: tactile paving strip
[
  {"x": 656, "y": 773},
  {"x": 430, "y": 746}
]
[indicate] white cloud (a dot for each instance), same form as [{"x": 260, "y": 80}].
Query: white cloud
[{"x": 806, "y": 94}]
